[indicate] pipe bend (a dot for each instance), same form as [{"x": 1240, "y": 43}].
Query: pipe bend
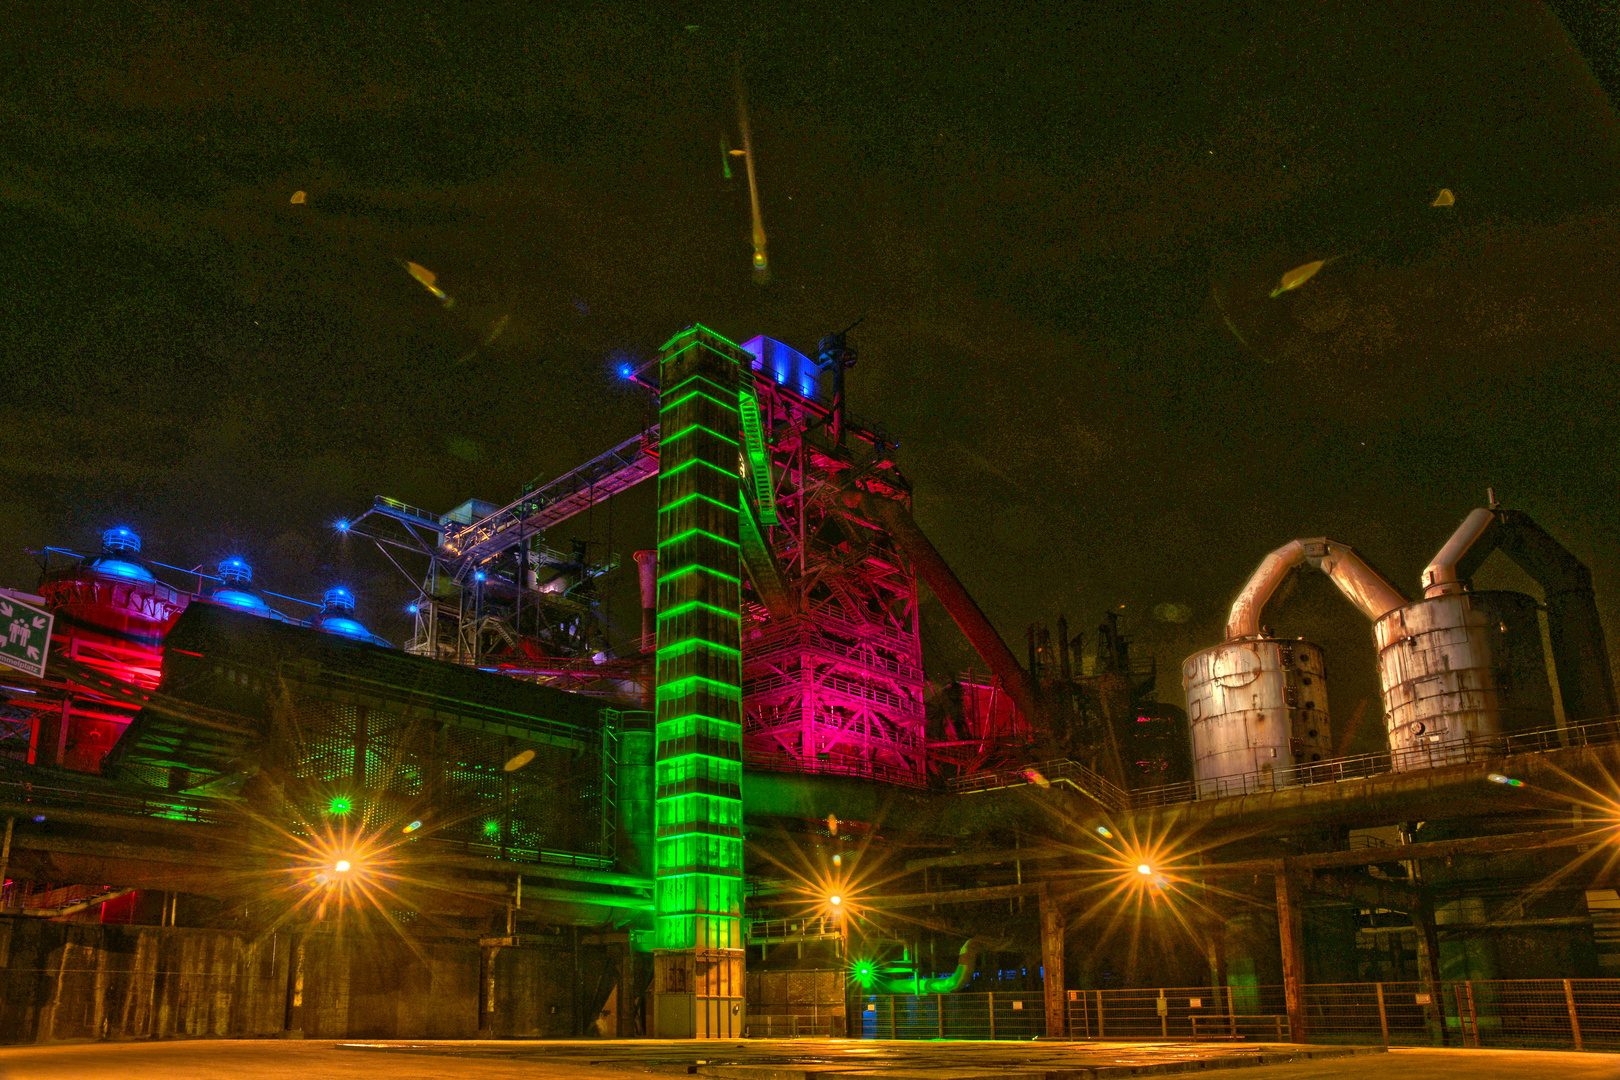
[
  {"x": 1244, "y": 621},
  {"x": 1363, "y": 586},
  {"x": 1474, "y": 539}
]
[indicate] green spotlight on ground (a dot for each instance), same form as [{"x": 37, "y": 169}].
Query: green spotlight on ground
[
  {"x": 492, "y": 828},
  {"x": 339, "y": 805}
]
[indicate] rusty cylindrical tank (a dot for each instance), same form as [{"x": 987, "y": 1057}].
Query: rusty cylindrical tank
[
  {"x": 1458, "y": 671},
  {"x": 1256, "y": 709}
]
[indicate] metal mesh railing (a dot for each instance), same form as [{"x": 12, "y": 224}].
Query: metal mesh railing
[
  {"x": 1566, "y": 1014},
  {"x": 992, "y": 1015},
  {"x": 1254, "y": 1013},
  {"x": 1428, "y": 756}
]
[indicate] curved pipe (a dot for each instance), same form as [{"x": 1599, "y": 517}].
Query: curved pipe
[
  {"x": 1455, "y": 563},
  {"x": 1580, "y": 652},
  {"x": 1361, "y": 584},
  {"x": 889, "y": 983}
]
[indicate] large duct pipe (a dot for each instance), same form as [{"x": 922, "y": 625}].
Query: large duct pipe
[
  {"x": 648, "y": 563},
  {"x": 1361, "y": 584},
  {"x": 1580, "y": 653},
  {"x": 933, "y": 569},
  {"x": 890, "y": 982}
]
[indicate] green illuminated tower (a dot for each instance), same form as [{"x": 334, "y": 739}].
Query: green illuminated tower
[{"x": 698, "y": 960}]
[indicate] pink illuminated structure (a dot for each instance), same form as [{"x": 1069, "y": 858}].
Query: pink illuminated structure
[{"x": 832, "y": 661}]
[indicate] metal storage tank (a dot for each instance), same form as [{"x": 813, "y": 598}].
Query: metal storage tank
[
  {"x": 1256, "y": 709},
  {"x": 1458, "y": 671}
]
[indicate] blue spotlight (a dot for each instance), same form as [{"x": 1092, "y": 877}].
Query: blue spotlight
[
  {"x": 342, "y": 525},
  {"x": 479, "y": 576},
  {"x": 410, "y": 609},
  {"x": 626, "y": 371}
]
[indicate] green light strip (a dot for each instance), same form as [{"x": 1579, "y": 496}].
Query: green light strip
[
  {"x": 706, "y": 381},
  {"x": 689, "y": 428},
  {"x": 696, "y": 569},
  {"x": 683, "y": 466},
  {"x": 697, "y": 605},
  {"x": 698, "y": 328},
  {"x": 696, "y": 394},
  {"x": 759, "y": 462},
  {"x": 696, "y": 495},
  {"x": 681, "y": 648},
  {"x": 682, "y": 536},
  {"x": 681, "y": 687}
]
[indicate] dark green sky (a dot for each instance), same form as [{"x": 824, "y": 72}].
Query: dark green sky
[{"x": 1041, "y": 216}]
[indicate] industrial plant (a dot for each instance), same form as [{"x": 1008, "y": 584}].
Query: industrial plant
[{"x": 229, "y": 812}]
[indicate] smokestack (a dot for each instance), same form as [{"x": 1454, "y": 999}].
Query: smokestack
[{"x": 648, "y": 561}]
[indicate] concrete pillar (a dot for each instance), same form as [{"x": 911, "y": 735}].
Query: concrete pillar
[
  {"x": 1052, "y": 927},
  {"x": 1290, "y": 931}
]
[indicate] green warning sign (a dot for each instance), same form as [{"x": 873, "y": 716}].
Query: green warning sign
[{"x": 25, "y": 636}]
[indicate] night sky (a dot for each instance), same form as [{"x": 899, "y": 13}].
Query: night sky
[{"x": 1056, "y": 223}]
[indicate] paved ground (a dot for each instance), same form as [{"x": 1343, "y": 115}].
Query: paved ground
[{"x": 772, "y": 1060}]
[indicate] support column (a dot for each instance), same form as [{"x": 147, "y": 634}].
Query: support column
[
  {"x": 1052, "y": 927},
  {"x": 1290, "y": 929},
  {"x": 698, "y": 955},
  {"x": 1428, "y": 958}
]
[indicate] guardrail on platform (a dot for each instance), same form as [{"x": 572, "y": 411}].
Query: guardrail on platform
[
  {"x": 992, "y": 1015},
  {"x": 1600, "y": 732}
]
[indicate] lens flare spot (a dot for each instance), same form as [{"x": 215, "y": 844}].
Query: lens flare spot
[{"x": 341, "y": 866}]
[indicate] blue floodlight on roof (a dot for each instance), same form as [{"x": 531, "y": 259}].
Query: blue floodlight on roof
[
  {"x": 120, "y": 539},
  {"x": 346, "y": 627},
  {"x": 236, "y": 571},
  {"x": 236, "y": 598},
  {"x": 338, "y": 599},
  {"x": 341, "y": 525},
  {"x": 121, "y": 569}
]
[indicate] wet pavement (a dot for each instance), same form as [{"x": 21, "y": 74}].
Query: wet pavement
[
  {"x": 865, "y": 1059},
  {"x": 758, "y": 1059}
]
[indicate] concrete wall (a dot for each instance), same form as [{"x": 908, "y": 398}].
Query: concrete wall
[{"x": 79, "y": 980}]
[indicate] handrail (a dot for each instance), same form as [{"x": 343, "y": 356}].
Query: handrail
[{"x": 1600, "y": 732}]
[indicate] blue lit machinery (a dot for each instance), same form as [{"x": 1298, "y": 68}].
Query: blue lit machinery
[
  {"x": 337, "y": 617},
  {"x": 235, "y": 589}
]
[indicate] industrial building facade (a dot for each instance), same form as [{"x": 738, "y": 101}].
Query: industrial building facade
[{"x": 763, "y": 817}]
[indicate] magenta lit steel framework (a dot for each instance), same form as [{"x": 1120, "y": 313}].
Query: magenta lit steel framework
[{"x": 832, "y": 659}]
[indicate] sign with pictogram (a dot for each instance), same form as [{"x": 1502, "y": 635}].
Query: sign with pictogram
[{"x": 25, "y": 636}]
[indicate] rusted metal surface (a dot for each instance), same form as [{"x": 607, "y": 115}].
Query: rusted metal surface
[
  {"x": 1256, "y": 706},
  {"x": 1360, "y": 583},
  {"x": 1457, "y": 670}
]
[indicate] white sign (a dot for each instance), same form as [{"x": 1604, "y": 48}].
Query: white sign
[
  {"x": 1195, "y": 1003},
  {"x": 25, "y": 636},
  {"x": 1422, "y": 999},
  {"x": 1018, "y": 1004}
]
